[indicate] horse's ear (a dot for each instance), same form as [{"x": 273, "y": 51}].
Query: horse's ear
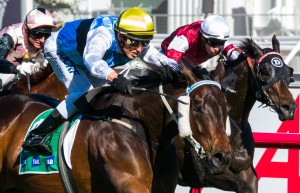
[
  {"x": 256, "y": 49},
  {"x": 219, "y": 72},
  {"x": 291, "y": 74},
  {"x": 275, "y": 44},
  {"x": 191, "y": 78}
]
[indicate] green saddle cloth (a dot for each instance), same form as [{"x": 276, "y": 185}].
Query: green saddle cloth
[{"x": 32, "y": 163}]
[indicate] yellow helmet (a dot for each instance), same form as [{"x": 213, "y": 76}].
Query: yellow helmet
[{"x": 136, "y": 23}]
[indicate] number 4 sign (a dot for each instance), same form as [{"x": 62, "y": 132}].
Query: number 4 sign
[{"x": 266, "y": 168}]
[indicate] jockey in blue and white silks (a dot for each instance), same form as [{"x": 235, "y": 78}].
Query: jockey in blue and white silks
[{"x": 83, "y": 54}]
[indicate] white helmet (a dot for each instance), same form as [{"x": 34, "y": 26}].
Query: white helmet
[
  {"x": 215, "y": 26},
  {"x": 39, "y": 17}
]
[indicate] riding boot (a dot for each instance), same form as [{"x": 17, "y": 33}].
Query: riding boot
[{"x": 35, "y": 142}]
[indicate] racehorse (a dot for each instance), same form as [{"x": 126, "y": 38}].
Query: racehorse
[
  {"x": 257, "y": 75},
  {"x": 108, "y": 156},
  {"x": 241, "y": 91}
]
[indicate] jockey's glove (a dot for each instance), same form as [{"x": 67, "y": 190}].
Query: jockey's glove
[
  {"x": 122, "y": 84},
  {"x": 25, "y": 68}
]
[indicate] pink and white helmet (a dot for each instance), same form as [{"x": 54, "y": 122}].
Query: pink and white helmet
[{"x": 39, "y": 17}]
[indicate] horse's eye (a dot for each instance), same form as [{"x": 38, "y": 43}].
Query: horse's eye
[
  {"x": 266, "y": 74},
  {"x": 197, "y": 108}
]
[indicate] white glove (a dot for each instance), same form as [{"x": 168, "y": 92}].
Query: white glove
[{"x": 25, "y": 68}]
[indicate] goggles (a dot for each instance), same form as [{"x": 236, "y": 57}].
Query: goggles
[
  {"x": 38, "y": 35},
  {"x": 135, "y": 43},
  {"x": 214, "y": 42}
]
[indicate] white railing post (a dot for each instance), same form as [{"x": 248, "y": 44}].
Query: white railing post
[{"x": 291, "y": 55}]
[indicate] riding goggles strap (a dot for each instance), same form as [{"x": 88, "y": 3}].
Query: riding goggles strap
[{"x": 200, "y": 83}]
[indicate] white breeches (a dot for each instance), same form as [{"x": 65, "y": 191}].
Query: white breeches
[{"x": 76, "y": 79}]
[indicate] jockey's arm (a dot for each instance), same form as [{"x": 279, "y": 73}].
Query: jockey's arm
[
  {"x": 6, "y": 44},
  {"x": 177, "y": 48},
  {"x": 230, "y": 52},
  {"x": 99, "y": 41},
  {"x": 153, "y": 58}
]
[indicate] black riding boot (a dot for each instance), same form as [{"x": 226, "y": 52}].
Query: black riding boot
[{"x": 35, "y": 142}]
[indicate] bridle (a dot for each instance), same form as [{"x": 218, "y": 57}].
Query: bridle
[
  {"x": 192, "y": 141},
  {"x": 261, "y": 95}
]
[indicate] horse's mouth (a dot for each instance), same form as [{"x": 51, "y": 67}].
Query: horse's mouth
[{"x": 284, "y": 117}]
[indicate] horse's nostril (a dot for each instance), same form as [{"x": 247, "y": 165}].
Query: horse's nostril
[
  {"x": 222, "y": 158},
  {"x": 287, "y": 107},
  {"x": 218, "y": 156},
  {"x": 289, "y": 110}
]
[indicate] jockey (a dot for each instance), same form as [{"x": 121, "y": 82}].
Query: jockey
[
  {"x": 197, "y": 42},
  {"x": 83, "y": 54},
  {"x": 23, "y": 39}
]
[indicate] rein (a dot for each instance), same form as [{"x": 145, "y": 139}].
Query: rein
[{"x": 160, "y": 93}]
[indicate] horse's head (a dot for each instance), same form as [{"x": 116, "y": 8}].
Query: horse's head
[
  {"x": 208, "y": 113},
  {"x": 272, "y": 77}
]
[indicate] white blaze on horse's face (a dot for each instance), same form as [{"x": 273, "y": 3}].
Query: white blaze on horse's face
[{"x": 184, "y": 126}]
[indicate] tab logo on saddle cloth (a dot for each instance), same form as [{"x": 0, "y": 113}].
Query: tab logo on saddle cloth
[{"x": 32, "y": 163}]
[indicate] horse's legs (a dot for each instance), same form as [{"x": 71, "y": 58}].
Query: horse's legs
[
  {"x": 248, "y": 139},
  {"x": 228, "y": 182},
  {"x": 166, "y": 170},
  {"x": 249, "y": 175}
]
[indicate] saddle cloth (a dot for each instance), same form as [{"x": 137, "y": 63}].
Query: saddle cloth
[{"x": 31, "y": 163}]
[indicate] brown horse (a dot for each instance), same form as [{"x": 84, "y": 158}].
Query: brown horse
[
  {"x": 241, "y": 88},
  {"x": 42, "y": 81},
  {"x": 109, "y": 157},
  {"x": 258, "y": 75}
]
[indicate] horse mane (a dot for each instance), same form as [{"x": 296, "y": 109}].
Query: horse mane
[
  {"x": 153, "y": 76},
  {"x": 40, "y": 74},
  {"x": 247, "y": 46}
]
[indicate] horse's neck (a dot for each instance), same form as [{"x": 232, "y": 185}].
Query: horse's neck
[
  {"x": 157, "y": 113},
  {"x": 243, "y": 98},
  {"x": 250, "y": 96}
]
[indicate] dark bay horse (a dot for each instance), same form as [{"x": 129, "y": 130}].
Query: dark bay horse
[
  {"x": 258, "y": 75},
  {"x": 110, "y": 157}
]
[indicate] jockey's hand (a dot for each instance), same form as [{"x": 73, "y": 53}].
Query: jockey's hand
[
  {"x": 122, "y": 84},
  {"x": 25, "y": 68}
]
